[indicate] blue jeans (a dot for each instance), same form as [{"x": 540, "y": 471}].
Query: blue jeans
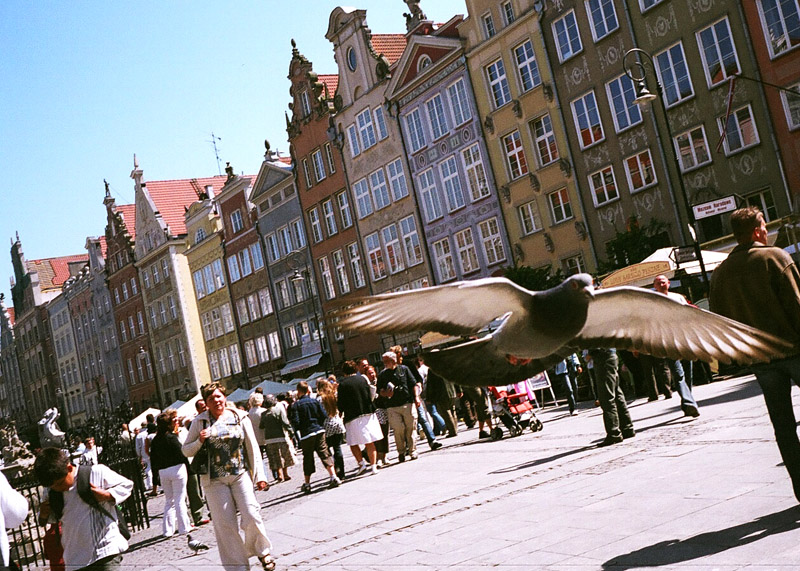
[
  {"x": 426, "y": 426},
  {"x": 438, "y": 422},
  {"x": 676, "y": 371},
  {"x": 567, "y": 382},
  {"x": 776, "y": 380}
]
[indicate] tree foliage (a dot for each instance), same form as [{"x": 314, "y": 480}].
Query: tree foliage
[
  {"x": 535, "y": 279},
  {"x": 634, "y": 244}
]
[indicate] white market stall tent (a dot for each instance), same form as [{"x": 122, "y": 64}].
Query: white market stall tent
[
  {"x": 137, "y": 421},
  {"x": 660, "y": 262}
]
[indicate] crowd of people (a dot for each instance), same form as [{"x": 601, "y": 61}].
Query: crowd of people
[{"x": 222, "y": 450}]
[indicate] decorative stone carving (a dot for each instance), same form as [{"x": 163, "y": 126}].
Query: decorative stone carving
[
  {"x": 517, "y": 108},
  {"x": 580, "y": 230},
  {"x": 565, "y": 166},
  {"x": 548, "y": 242},
  {"x": 535, "y": 184},
  {"x": 505, "y": 192},
  {"x": 489, "y": 124}
]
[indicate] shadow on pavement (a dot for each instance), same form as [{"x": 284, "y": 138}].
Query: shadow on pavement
[
  {"x": 147, "y": 543},
  {"x": 676, "y": 551},
  {"x": 540, "y": 461}
]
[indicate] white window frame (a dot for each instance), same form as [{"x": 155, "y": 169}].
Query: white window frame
[
  {"x": 564, "y": 38},
  {"x": 737, "y": 119},
  {"x": 379, "y": 189},
  {"x": 582, "y": 110},
  {"x": 377, "y": 265},
  {"x": 307, "y": 174},
  {"x": 477, "y": 179},
  {"x": 562, "y": 210},
  {"x": 340, "y": 268},
  {"x": 298, "y": 233},
  {"x": 643, "y": 161},
  {"x": 265, "y": 299},
  {"x": 716, "y": 49},
  {"x": 380, "y": 123},
  {"x": 397, "y": 179},
  {"x": 492, "y": 241},
  {"x": 489, "y": 29},
  {"x": 792, "y": 115},
  {"x": 354, "y": 259},
  {"x": 692, "y": 137},
  {"x": 544, "y": 138},
  {"x": 507, "y": 11},
  {"x": 622, "y": 105},
  {"x": 774, "y": 40},
  {"x": 343, "y": 203},
  {"x": 330, "y": 217},
  {"x": 363, "y": 198},
  {"x": 431, "y": 201},
  {"x": 233, "y": 268},
  {"x": 394, "y": 252},
  {"x": 316, "y": 225},
  {"x": 329, "y": 157},
  {"x": 366, "y": 130},
  {"x": 327, "y": 277},
  {"x": 416, "y": 133},
  {"x": 237, "y": 223},
  {"x": 673, "y": 70},
  {"x": 352, "y": 137},
  {"x": 319, "y": 165},
  {"x": 437, "y": 119},
  {"x": 466, "y": 252},
  {"x": 600, "y": 8},
  {"x": 604, "y": 182},
  {"x": 410, "y": 238},
  {"x": 459, "y": 102},
  {"x": 499, "y": 89},
  {"x": 527, "y": 67},
  {"x": 516, "y": 161},
  {"x": 529, "y": 218},
  {"x": 445, "y": 266}
]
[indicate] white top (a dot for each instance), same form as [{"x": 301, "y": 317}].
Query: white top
[
  {"x": 90, "y": 456},
  {"x": 255, "y": 419},
  {"x": 13, "y": 511},
  {"x": 87, "y": 534},
  {"x": 140, "y": 438}
]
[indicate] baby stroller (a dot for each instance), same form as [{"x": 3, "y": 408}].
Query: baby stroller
[{"x": 513, "y": 407}]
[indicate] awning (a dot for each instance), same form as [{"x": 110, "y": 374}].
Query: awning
[
  {"x": 138, "y": 420},
  {"x": 176, "y": 405},
  {"x": 657, "y": 263},
  {"x": 240, "y": 395},
  {"x": 300, "y": 364}
]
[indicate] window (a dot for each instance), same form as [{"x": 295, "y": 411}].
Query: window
[
  {"x": 515, "y": 155},
  {"x": 199, "y": 236},
  {"x": 363, "y": 199},
  {"x": 365, "y": 129},
  {"x": 444, "y": 260},
  {"x": 352, "y": 61},
  {"x": 492, "y": 242},
  {"x": 431, "y": 203},
  {"x": 380, "y": 123},
  {"x": 527, "y": 66},
  {"x": 692, "y": 148},
  {"x": 452, "y": 184},
  {"x": 546, "y": 148},
  {"x": 265, "y": 299},
  {"x": 307, "y": 173},
  {"x": 467, "y": 255},
  {"x": 791, "y": 106},
  {"x": 252, "y": 307},
  {"x": 604, "y": 186},
  {"x": 459, "y": 102},
  {"x": 327, "y": 277},
  {"x": 674, "y": 75},
  {"x": 718, "y": 52},
  {"x": 261, "y": 349},
  {"x": 319, "y": 165},
  {"x": 236, "y": 221},
  {"x": 416, "y": 136},
  {"x": 647, "y": 4},
  {"x": 587, "y": 120},
  {"x": 602, "y": 17},
  {"x": 305, "y": 104},
  {"x": 329, "y": 156},
  {"x": 380, "y": 192},
  {"x": 330, "y": 217},
  {"x": 298, "y": 233},
  {"x": 241, "y": 311},
  {"x": 123, "y": 333},
  {"x": 140, "y": 319},
  {"x": 529, "y": 218},
  {"x": 508, "y": 13},
  {"x": 375, "y": 255},
  {"x": 352, "y": 137},
  {"x": 213, "y": 364},
  {"x": 165, "y": 268},
  {"x": 498, "y": 84},
  {"x": 153, "y": 319},
  {"x": 224, "y": 362},
  {"x": 272, "y": 248},
  {"x": 162, "y": 311},
  {"x": 244, "y": 258},
  {"x": 233, "y": 268},
  {"x": 208, "y": 330},
  {"x": 436, "y": 116},
  {"x": 199, "y": 284},
  {"x": 316, "y": 225},
  {"x": 781, "y": 22},
  {"x": 640, "y": 172},
  {"x": 274, "y": 345},
  {"x": 568, "y": 39},
  {"x": 145, "y": 278},
  {"x": 741, "y": 131},
  {"x": 411, "y": 244},
  {"x": 257, "y": 255},
  {"x": 560, "y": 208},
  {"x": 397, "y": 179},
  {"x": 488, "y": 25},
  {"x": 355, "y": 265},
  {"x": 573, "y": 265},
  {"x": 209, "y": 279},
  {"x": 124, "y": 291},
  {"x": 621, "y": 94},
  {"x": 476, "y": 175},
  {"x": 341, "y": 271},
  {"x": 394, "y": 254},
  {"x": 764, "y": 202},
  {"x": 250, "y": 353},
  {"x": 344, "y": 209},
  {"x": 173, "y": 309},
  {"x": 283, "y": 294},
  {"x": 134, "y": 288}
]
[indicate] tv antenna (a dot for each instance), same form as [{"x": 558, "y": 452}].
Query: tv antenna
[{"x": 213, "y": 141}]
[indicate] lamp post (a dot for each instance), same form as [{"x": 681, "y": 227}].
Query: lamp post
[
  {"x": 303, "y": 278},
  {"x": 644, "y": 95}
]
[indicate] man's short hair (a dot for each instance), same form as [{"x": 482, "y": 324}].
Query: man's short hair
[
  {"x": 302, "y": 388},
  {"x": 349, "y": 367},
  {"x": 256, "y": 399},
  {"x": 150, "y": 417},
  {"x": 743, "y": 222},
  {"x": 391, "y": 355},
  {"x": 52, "y": 465},
  {"x": 208, "y": 389}
]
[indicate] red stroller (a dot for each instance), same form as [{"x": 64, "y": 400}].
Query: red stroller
[{"x": 513, "y": 407}]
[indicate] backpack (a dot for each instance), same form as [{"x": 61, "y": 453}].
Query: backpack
[{"x": 85, "y": 493}]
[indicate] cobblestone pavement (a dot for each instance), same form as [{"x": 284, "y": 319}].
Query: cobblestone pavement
[{"x": 701, "y": 494}]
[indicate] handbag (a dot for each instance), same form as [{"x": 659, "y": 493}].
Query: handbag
[{"x": 199, "y": 464}]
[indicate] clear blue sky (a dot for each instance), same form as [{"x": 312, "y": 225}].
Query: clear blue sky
[{"x": 85, "y": 85}]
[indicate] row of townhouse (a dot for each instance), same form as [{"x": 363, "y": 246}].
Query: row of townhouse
[{"x": 510, "y": 136}]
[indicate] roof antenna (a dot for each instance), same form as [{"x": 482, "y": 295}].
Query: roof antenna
[{"x": 213, "y": 141}]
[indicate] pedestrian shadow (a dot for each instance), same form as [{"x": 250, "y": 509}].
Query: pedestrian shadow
[
  {"x": 540, "y": 461},
  {"x": 672, "y": 552},
  {"x": 147, "y": 543}
]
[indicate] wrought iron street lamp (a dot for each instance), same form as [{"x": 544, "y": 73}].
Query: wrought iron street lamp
[
  {"x": 637, "y": 73},
  {"x": 302, "y": 279}
]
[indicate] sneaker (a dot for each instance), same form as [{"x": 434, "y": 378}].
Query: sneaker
[
  {"x": 361, "y": 468},
  {"x": 435, "y": 445},
  {"x": 373, "y": 469},
  {"x": 335, "y": 481},
  {"x": 401, "y": 457},
  {"x": 305, "y": 488},
  {"x": 483, "y": 434},
  {"x": 413, "y": 456}
]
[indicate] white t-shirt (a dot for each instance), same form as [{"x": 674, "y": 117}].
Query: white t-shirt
[{"x": 13, "y": 511}]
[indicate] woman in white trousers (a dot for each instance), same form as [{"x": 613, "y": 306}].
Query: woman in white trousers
[{"x": 172, "y": 466}]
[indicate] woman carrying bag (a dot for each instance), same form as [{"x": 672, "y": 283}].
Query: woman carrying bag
[{"x": 232, "y": 451}]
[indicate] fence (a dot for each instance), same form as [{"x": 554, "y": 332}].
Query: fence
[{"x": 26, "y": 540}]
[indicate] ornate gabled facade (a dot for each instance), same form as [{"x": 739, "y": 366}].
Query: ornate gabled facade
[
  {"x": 36, "y": 282},
  {"x": 296, "y": 331},
  {"x": 336, "y": 249},
  {"x": 12, "y": 397},
  {"x": 524, "y": 130},
  {"x": 176, "y": 334},
  {"x": 431, "y": 94},
  {"x": 131, "y": 329},
  {"x": 71, "y": 390},
  {"x": 375, "y": 159}
]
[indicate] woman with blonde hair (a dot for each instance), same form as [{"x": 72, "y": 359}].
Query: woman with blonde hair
[
  {"x": 334, "y": 425},
  {"x": 230, "y": 442}
]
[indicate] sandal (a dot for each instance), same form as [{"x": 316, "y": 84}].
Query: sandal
[{"x": 267, "y": 562}]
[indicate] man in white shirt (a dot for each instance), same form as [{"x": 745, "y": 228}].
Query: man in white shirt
[
  {"x": 89, "y": 536},
  {"x": 144, "y": 458},
  {"x": 13, "y": 511},
  {"x": 90, "y": 453}
]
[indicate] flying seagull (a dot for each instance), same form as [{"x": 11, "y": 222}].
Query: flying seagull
[
  {"x": 538, "y": 329},
  {"x": 196, "y": 545}
]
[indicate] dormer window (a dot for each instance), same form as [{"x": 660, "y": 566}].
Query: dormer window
[
  {"x": 352, "y": 62},
  {"x": 423, "y": 62}
]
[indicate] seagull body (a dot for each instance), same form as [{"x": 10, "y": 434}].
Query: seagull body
[
  {"x": 196, "y": 545},
  {"x": 539, "y": 329}
]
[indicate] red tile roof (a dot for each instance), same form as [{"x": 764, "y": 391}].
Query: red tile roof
[
  {"x": 331, "y": 81},
  {"x": 53, "y": 272},
  {"x": 172, "y": 197},
  {"x": 12, "y": 318},
  {"x": 390, "y": 45},
  {"x": 286, "y": 160},
  {"x": 128, "y": 212},
  {"x": 103, "y": 246}
]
